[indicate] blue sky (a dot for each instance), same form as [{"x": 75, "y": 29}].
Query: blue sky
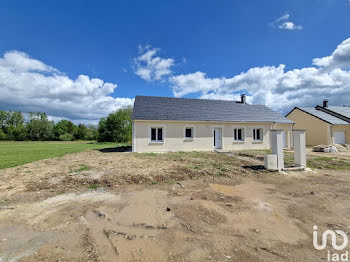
[{"x": 201, "y": 45}]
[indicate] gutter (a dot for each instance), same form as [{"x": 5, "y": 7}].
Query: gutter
[{"x": 211, "y": 121}]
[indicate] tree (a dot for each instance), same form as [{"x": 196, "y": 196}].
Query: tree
[
  {"x": 2, "y": 136},
  {"x": 81, "y": 132},
  {"x": 64, "y": 127},
  {"x": 14, "y": 118},
  {"x": 91, "y": 133},
  {"x": 116, "y": 127},
  {"x": 3, "y": 119},
  {"x": 39, "y": 127},
  {"x": 19, "y": 133},
  {"x": 14, "y": 127},
  {"x": 12, "y": 124}
]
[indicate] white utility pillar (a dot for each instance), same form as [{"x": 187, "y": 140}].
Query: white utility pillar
[
  {"x": 271, "y": 162},
  {"x": 277, "y": 147},
  {"x": 299, "y": 148}
]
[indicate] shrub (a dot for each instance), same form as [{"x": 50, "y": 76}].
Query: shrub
[
  {"x": 116, "y": 127},
  {"x": 66, "y": 137},
  {"x": 2, "y": 136}
]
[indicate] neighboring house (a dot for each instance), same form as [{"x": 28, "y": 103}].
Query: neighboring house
[
  {"x": 323, "y": 124},
  {"x": 162, "y": 124}
]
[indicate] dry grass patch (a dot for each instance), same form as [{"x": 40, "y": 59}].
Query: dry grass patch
[{"x": 95, "y": 169}]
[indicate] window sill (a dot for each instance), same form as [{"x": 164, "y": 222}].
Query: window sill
[
  {"x": 156, "y": 142},
  {"x": 238, "y": 141},
  {"x": 188, "y": 139},
  {"x": 258, "y": 142}
]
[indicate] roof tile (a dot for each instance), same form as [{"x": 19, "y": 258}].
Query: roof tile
[
  {"x": 324, "y": 116},
  {"x": 188, "y": 109}
]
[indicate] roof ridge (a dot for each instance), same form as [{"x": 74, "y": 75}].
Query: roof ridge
[{"x": 203, "y": 99}]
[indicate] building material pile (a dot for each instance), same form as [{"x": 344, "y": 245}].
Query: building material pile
[
  {"x": 343, "y": 148},
  {"x": 325, "y": 149}
]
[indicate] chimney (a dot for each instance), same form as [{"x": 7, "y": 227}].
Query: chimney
[
  {"x": 243, "y": 100},
  {"x": 325, "y": 103}
]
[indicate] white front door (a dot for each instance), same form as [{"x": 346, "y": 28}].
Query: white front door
[
  {"x": 339, "y": 137},
  {"x": 217, "y": 138}
]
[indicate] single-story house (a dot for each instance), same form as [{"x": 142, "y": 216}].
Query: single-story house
[
  {"x": 161, "y": 124},
  {"x": 323, "y": 124}
]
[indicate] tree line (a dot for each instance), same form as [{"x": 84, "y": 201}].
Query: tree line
[{"x": 116, "y": 127}]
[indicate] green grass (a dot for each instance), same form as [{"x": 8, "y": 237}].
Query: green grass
[
  {"x": 288, "y": 159},
  {"x": 93, "y": 186},
  {"x": 320, "y": 162},
  {"x": 150, "y": 154},
  {"x": 18, "y": 153},
  {"x": 82, "y": 168},
  {"x": 328, "y": 163}
]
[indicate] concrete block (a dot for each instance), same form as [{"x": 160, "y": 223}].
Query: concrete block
[{"x": 271, "y": 162}]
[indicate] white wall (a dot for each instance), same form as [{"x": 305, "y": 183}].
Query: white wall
[{"x": 174, "y": 139}]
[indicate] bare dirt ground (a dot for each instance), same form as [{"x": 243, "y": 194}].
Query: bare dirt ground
[{"x": 110, "y": 206}]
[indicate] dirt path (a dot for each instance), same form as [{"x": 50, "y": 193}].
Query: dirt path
[{"x": 238, "y": 216}]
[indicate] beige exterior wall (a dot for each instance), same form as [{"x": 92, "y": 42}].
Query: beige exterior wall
[
  {"x": 345, "y": 129},
  {"x": 174, "y": 139},
  {"x": 317, "y": 131}
]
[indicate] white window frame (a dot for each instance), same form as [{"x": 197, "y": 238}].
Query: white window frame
[
  {"x": 243, "y": 135},
  {"x": 150, "y": 134},
  {"x": 262, "y": 134},
  {"x": 193, "y": 133}
]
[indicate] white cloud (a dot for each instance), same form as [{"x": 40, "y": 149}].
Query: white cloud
[
  {"x": 339, "y": 58},
  {"x": 28, "y": 84},
  {"x": 290, "y": 26},
  {"x": 21, "y": 62},
  {"x": 283, "y": 23},
  {"x": 193, "y": 83},
  {"x": 231, "y": 97},
  {"x": 282, "y": 18},
  {"x": 275, "y": 86},
  {"x": 150, "y": 67}
]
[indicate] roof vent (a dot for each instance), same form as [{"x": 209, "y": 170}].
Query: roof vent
[
  {"x": 243, "y": 98},
  {"x": 325, "y": 103}
]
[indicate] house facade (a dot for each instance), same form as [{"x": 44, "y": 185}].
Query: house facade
[
  {"x": 162, "y": 124},
  {"x": 324, "y": 125}
]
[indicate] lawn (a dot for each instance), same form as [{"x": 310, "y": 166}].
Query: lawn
[{"x": 19, "y": 153}]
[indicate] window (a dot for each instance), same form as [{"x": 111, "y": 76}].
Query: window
[
  {"x": 188, "y": 133},
  {"x": 238, "y": 134},
  {"x": 257, "y": 134},
  {"x": 157, "y": 134}
]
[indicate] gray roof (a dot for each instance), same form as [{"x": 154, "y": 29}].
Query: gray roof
[
  {"x": 342, "y": 110},
  {"x": 324, "y": 116},
  {"x": 188, "y": 109}
]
